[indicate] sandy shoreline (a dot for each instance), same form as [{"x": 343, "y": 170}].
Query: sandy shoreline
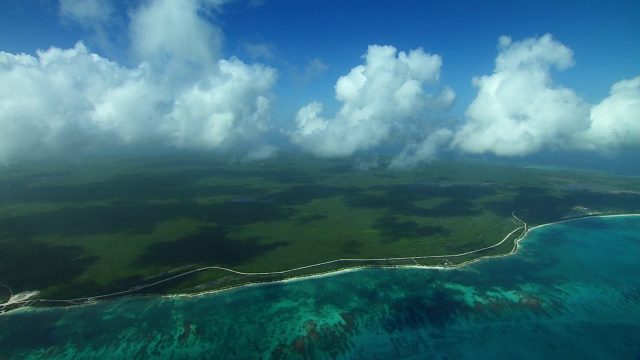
[
  {"x": 426, "y": 267},
  {"x": 18, "y": 298},
  {"x": 527, "y": 230},
  {"x": 584, "y": 217}
]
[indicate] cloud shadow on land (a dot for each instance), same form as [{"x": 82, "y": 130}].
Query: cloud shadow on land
[
  {"x": 393, "y": 229},
  {"x": 304, "y": 220},
  {"x": 211, "y": 246},
  {"x": 169, "y": 183},
  {"x": 455, "y": 207},
  {"x": 628, "y": 202},
  {"x": 352, "y": 247},
  {"x": 286, "y": 169},
  {"x": 281, "y": 176},
  {"x": 534, "y": 207},
  {"x": 531, "y": 208},
  {"x": 137, "y": 217},
  {"x": 447, "y": 190},
  {"x": 129, "y": 187},
  {"x": 399, "y": 200},
  {"x": 302, "y": 194},
  {"x": 29, "y": 265}
]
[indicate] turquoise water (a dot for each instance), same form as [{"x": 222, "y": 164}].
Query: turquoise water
[{"x": 571, "y": 291}]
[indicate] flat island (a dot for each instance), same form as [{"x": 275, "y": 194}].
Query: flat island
[{"x": 77, "y": 231}]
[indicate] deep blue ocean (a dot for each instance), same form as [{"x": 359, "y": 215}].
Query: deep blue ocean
[{"x": 572, "y": 290}]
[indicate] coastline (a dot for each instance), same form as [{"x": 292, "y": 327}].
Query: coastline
[
  {"x": 526, "y": 230},
  {"x": 426, "y": 267},
  {"x": 584, "y": 217}
]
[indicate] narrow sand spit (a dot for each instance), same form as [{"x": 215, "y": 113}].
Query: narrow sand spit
[{"x": 20, "y": 297}]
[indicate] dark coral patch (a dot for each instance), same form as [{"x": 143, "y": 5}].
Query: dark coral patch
[{"x": 319, "y": 340}]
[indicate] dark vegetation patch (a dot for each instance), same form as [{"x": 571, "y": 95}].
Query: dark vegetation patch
[
  {"x": 211, "y": 246},
  {"x": 179, "y": 161},
  {"x": 306, "y": 219},
  {"x": 137, "y": 217},
  {"x": 29, "y": 265},
  {"x": 352, "y": 247},
  {"x": 392, "y": 229},
  {"x": 381, "y": 198},
  {"x": 278, "y": 175},
  {"x": 239, "y": 214},
  {"x": 448, "y": 190},
  {"x": 455, "y": 207},
  {"x": 14, "y": 188},
  {"x": 532, "y": 209},
  {"x": 289, "y": 169},
  {"x": 341, "y": 167},
  {"x": 402, "y": 202},
  {"x": 530, "y": 191},
  {"x": 458, "y": 247},
  {"x": 177, "y": 184},
  {"x": 537, "y": 207},
  {"x": 302, "y": 194},
  {"x": 627, "y": 202},
  {"x": 130, "y": 186}
]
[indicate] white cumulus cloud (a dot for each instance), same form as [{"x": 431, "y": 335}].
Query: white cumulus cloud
[
  {"x": 174, "y": 39},
  {"x": 615, "y": 121},
  {"x": 426, "y": 150},
  {"x": 382, "y": 99},
  {"x": 69, "y": 99},
  {"x": 518, "y": 109}
]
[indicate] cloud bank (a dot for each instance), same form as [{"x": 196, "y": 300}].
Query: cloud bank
[
  {"x": 519, "y": 110},
  {"x": 181, "y": 94},
  {"x": 615, "y": 121},
  {"x": 381, "y": 101}
]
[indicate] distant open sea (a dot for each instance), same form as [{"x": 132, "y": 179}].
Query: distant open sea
[{"x": 572, "y": 290}]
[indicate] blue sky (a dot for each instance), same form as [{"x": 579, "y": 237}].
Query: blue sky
[
  {"x": 226, "y": 75},
  {"x": 603, "y": 34}
]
